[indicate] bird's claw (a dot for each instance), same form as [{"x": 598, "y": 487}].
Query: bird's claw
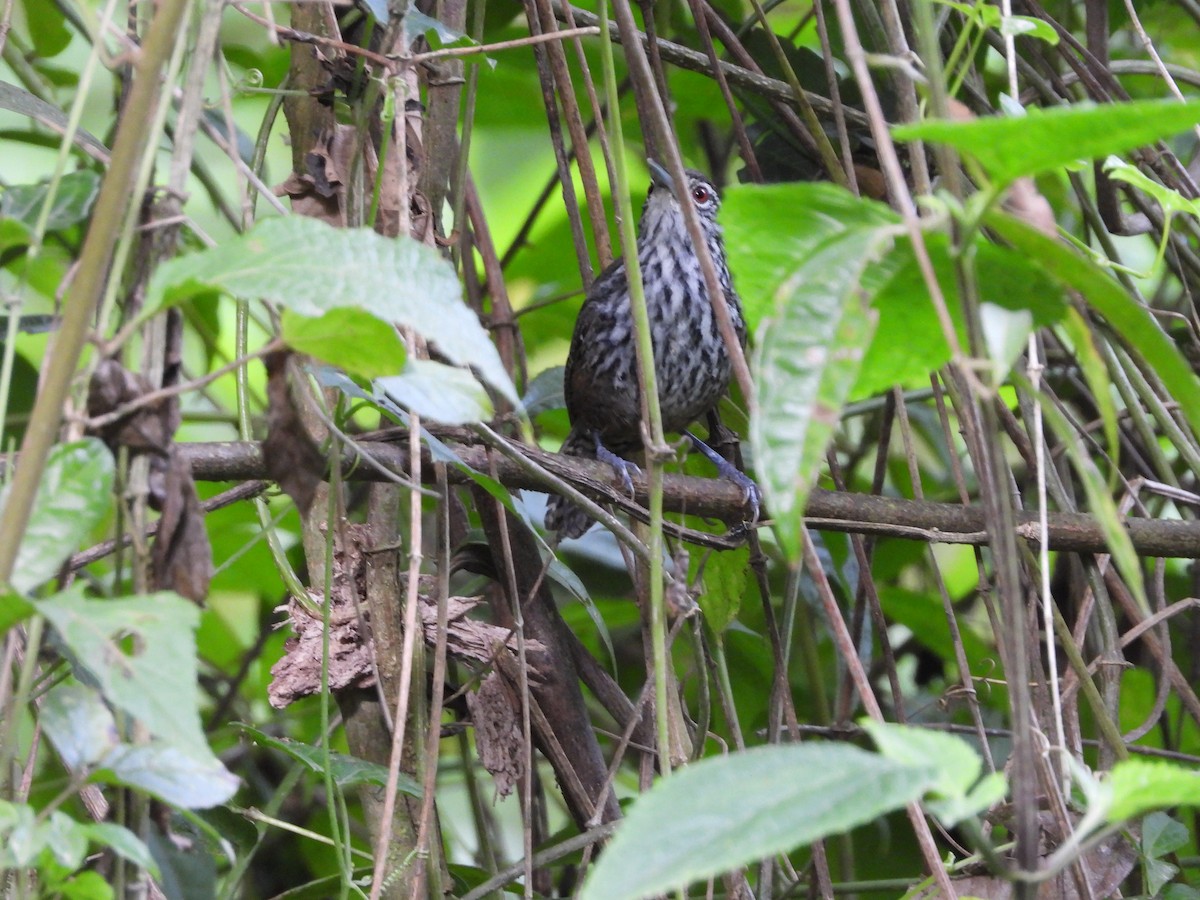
[
  {"x": 624, "y": 468},
  {"x": 751, "y": 493}
]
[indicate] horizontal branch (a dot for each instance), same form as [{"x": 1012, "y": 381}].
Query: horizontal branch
[{"x": 919, "y": 520}]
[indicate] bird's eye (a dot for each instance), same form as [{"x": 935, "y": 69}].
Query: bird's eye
[{"x": 701, "y": 194}]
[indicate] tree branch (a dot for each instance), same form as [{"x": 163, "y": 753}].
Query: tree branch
[{"x": 918, "y": 520}]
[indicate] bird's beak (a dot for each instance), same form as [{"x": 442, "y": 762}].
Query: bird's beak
[{"x": 660, "y": 175}]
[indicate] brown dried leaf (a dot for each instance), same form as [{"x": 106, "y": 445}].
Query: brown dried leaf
[
  {"x": 320, "y": 191},
  {"x": 498, "y": 736},
  {"x": 290, "y": 456},
  {"x": 181, "y": 558},
  {"x": 147, "y": 429}
]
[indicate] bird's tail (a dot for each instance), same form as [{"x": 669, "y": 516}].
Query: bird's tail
[{"x": 562, "y": 515}]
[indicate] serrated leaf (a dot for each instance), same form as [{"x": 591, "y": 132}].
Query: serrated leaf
[
  {"x": 347, "y": 771},
  {"x": 807, "y": 361},
  {"x": 73, "y": 497},
  {"x": 724, "y": 812},
  {"x": 437, "y": 392},
  {"x": 310, "y": 267},
  {"x": 348, "y": 338},
  {"x": 141, "y": 652},
  {"x": 990, "y": 790},
  {"x": 1043, "y": 140},
  {"x": 1140, "y": 785}
]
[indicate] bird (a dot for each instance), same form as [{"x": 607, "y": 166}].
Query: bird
[{"x": 691, "y": 361}]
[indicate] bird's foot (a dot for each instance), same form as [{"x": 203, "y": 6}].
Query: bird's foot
[
  {"x": 751, "y": 493},
  {"x": 624, "y": 468}
]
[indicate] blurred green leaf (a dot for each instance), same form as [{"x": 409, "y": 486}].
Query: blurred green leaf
[
  {"x": 726, "y": 811},
  {"x": 181, "y": 776},
  {"x": 72, "y": 202},
  {"x": 74, "y": 496},
  {"x": 348, "y": 338},
  {"x": 311, "y": 268},
  {"x": 437, "y": 392},
  {"x": 142, "y": 655},
  {"x": 79, "y": 724},
  {"x": 1141, "y": 785},
  {"x": 807, "y": 361},
  {"x": 347, "y": 771},
  {"x": 13, "y": 609},
  {"x": 122, "y": 842},
  {"x": 1009, "y": 147},
  {"x": 47, "y": 28}
]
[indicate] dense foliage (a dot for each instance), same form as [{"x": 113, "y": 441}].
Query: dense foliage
[{"x": 288, "y": 293}]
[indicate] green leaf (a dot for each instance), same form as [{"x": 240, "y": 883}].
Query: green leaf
[
  {"x": 72, "y": 203},
  {"x": 770, "y": 229},
  {"x": 181, "y": 776},
  {"x": 122, "y": 842},
  {"x": 724, "y": 581},
  {"x": 141, "y": 652},
  {"x": 1043, "y": 140},
  {"x": 13, "y": 609},
  {"x": 348, "y": 338},
  {"x": 47, "y": 27},
  {"x": 310, "y": 267},
  {"x": 79, "y": 724},
  {"x": 438, "y": 392},
  {"x": 1095, "y": 373},
  {"x": 725, "y": 812},
  {"x": 1006, "y": 280},
  {"x": 347, "y": 771},
  {"x": 1171, "y": 201},
  {"x": 1129, "y": 320},
  {"x": 64, "y": 837},
  {"x": 73, "y": 498},
  {"x": 957, "y": 764},
  {"x": 807, "y": 361},
  {"x": 1162, "y": 835},
  {"x": 1141, "y": 785}
]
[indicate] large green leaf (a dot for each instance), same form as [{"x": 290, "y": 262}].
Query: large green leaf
[
  {"x": 141, "y": 652},
  {"x": 349, "y": 338},
  {"x": 727, "y": 811},
  {"x": 73, "y": 498},
  {"x": 311, "y": 268},
  {"x": 84, "y": 731},
  {"x": 1127, "y": 318},
  {"x": 1005, "y": 279},
  {"x": 1041, "y": 140},
  {"x": 807, "y": 361},
  {"x": 770, "y": 229}
]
